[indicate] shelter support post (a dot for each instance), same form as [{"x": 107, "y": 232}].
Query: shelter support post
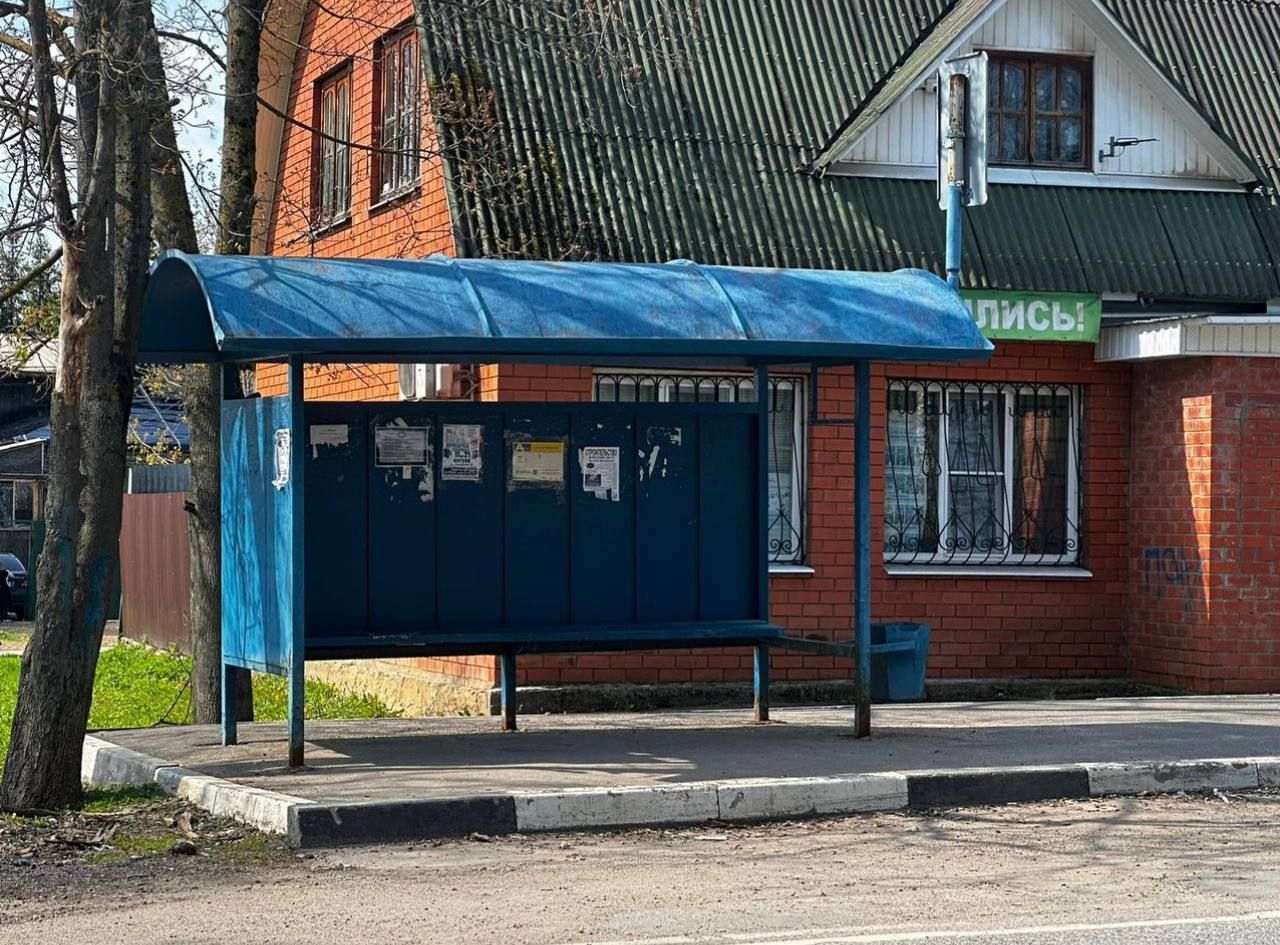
[
  {"x": 230, "y": 706},
  {"x": 297, "y": 650},
  {"x": 507, "y": 682},
  {"x": 763, "y": 407},
  {"x": 230, "y": 702},
  {"x": 762, "y": 683},
  {"x": 862, "y": 544}
]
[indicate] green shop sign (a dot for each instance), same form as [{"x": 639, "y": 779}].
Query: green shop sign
[{"x": 1035, "y": 316}]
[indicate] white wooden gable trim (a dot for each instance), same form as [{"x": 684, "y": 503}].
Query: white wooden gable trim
[{"x": 959, "y": 28}]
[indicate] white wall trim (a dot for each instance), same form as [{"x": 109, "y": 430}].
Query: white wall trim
[
  {"x": 1018, "y": 175},
  {"x": 795, "y": 570},
  {"x": 1221, "y": 336},
  {"x": 1013, "y": 571}
]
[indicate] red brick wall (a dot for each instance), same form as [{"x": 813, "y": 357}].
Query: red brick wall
[
  {"x": 1204, "y": 607},
  {"x": 1168, "y": 608}
]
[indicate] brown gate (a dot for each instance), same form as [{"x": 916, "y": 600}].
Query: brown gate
[{"x": 154, "y": 569}]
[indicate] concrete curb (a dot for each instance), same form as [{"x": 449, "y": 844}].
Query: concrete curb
[
  {"x": 103, "y": 764},
  {"x": 311, "y": 824}
]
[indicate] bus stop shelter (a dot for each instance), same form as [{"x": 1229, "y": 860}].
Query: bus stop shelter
[{"x": 507, "y": 528}]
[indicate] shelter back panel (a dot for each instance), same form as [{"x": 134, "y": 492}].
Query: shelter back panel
[{"x": 434, "y": 518}]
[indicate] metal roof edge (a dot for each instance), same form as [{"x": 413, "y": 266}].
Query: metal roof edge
[
  {"x": 900, "y": 77},
  {"x": 1229, "y": 336}
]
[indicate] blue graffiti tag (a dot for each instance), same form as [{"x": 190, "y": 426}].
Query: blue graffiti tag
[{"x": 1172, "y": 567}]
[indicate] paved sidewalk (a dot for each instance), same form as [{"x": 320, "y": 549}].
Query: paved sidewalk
[
  {"x": 672, "y": 756},
  {"x": 443, "y": 757}
]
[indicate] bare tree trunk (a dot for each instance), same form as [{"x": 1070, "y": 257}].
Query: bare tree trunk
[
  {"x": 240, "y": 127},
  {"x": 105, "y": 242},
  {"x": 174, "y": 228}
]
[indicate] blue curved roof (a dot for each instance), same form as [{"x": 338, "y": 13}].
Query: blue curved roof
[{"x": 239, "y": 308}]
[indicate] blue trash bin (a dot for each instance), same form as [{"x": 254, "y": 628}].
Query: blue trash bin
[{"x": 899, "y": 654}]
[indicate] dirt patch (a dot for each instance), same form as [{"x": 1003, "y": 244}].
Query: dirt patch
[{"x": 126, "y": 838}]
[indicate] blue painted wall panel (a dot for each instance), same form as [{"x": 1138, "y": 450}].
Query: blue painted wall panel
[
  {"x": 666, "y": 516},
  {"x": 536, "y": 525},
  {"x": 337, "y": 533},
  {"x": 469, "y": 515},
  {"x": 461, "y": 546},
  {"x": 603, "y": 541},
  {"x": 728, "y": 533},
  {"x": 257, "y": 586},
  {"x": 402, "y": 527}
]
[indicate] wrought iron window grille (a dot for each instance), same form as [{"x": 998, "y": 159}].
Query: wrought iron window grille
[
  {"x": 788, "y": 453},
  {"x": 982, "y": 473}
]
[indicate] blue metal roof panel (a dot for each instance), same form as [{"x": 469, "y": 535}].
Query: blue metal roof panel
[{"x": 206, "y": 308}]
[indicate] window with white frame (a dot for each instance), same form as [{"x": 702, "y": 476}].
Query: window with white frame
[
  {"x": 787, "y": 451},
  {"x": 331, "y": 167},
  {"x": 982, "y": 473},
  {"x": 400, "y": 162}
]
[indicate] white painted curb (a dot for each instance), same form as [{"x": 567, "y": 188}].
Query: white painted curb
[
  {"x": 1240, "y": 774},
  {"x": 259, "y": 808},
  {"x": 103, "y": 764},
  {"x": 584, "y": 808},
  {"x": 799, "y": 797}
]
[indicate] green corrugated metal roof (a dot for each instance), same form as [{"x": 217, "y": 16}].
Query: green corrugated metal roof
[{"x": 697, "y": 143}]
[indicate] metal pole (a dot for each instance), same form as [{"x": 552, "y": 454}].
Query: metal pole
[
  {"x": 862, "y": 543},
  {"x": 230, "y": 702},
  {"x": 761, "y": 675},
  {"x": 507, "y": 686},
  {"x": 957, "y": 106},
  {"x": 297, "y": 649}
]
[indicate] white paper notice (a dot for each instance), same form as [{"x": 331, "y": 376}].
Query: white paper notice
[
  {"x": 600, "y": 466},
  {"x": 540, "y": 461},
  {"x": 401, "y": 446},
  {"x": 330, "y": 434},
  {"x": 461, "y": 458},
  {"x": 283, "y": 458}
]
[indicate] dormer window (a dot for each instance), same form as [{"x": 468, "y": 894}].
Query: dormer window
[{"x": 1038, "y": 111}]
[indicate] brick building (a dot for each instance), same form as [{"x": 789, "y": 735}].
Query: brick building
[{"x": 1099, "y": 500}]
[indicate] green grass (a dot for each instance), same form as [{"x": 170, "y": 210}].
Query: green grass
[
  {"x": 137, "y": 687},
  {"x": 13, "y": 639}
]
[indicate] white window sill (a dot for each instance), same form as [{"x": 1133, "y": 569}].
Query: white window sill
[
  {"x": 401, "y": 194},
  {"x": 1011, "y": 571},
  {"x": 784, "y": 568}
]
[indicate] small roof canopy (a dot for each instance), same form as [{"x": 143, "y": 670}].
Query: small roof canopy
[{"x": 249, "y": 308}]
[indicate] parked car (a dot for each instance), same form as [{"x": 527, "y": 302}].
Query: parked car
[{"x": 17, "y": 585}]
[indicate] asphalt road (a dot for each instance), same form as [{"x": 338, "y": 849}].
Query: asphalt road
[{"x": 1154, "y": 871}]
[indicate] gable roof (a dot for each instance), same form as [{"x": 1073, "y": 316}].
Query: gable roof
[{"x": 965, "y": 17}]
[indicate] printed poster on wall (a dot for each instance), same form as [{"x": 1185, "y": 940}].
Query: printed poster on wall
[
  {"x": 401, "y": 446},
  {"x": 537, "y": 461},
  {"x": 600, "y": 465},
  {"x": 461, "y": 456}
]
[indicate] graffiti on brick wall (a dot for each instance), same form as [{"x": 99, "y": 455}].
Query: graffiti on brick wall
[{"x": 1174, "y": 570}]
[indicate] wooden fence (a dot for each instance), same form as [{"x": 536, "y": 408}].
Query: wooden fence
[{"x": 154, "y": 569}]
